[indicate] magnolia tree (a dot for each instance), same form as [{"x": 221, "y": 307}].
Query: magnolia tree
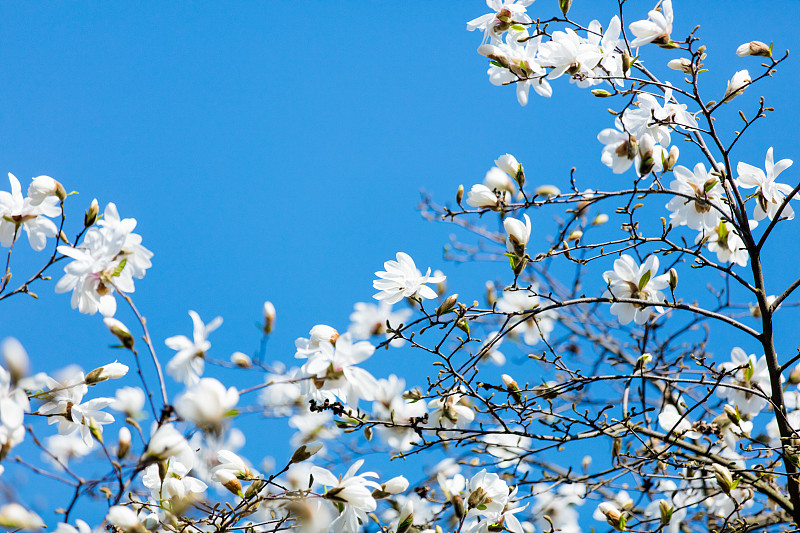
[{"x": 633, "y": 409}]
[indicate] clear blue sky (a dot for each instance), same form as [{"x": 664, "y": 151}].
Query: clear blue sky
[{"x": 276, "y": 150}]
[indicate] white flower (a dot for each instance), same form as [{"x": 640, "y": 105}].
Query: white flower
[
  {"x": 603, "y": 51},
  {"x": 737, "y": 84},
  {"x": 482, "y": 196},
  {"x": 352, "y": 492},
  {"x": 232, "y": 463},
  {"x": 15, "y": 358},
  {"x": 18, "y": 213},
  {"x": 628, "y": 280},
  {"x": 770, "y": 195},
  {"x": 370, "y": 319},
  {"x": 335, "y": 371},
  {"x": 15, "y": 516},
  {"x": 656, "y": 29},
  {"x": 113, "y": 370},
  {"x": 533, "y": 328},
  {"x": 508, "y": 447},
  {"x": 65, "y": 408},
  {"x": 109, "y": 257},
  {"x": 726, "y": 243},
  {"x": 704, "y": 211},
  {"x": 671, "y": 420},
  {"x": 207, "y": 404},
  {"x": 518, "y": 234},
  {"x": 166, "y": 442},
  {"x": 177, "y": 489},
  {"x": 752, "y": 374},
  {"x": 391, "y": 405},
  {"x": 187, "y": 365},
  {"x": 507, "y": 12},
  {"x": 520, "y": 66},
  {"x": 282, "y": 393},
  {"x": 450, "y": 412},
  {"x": 563, "y": 52},
  {"x": 508, "y": 164},
  {"x": 123, "y": 517},
  {"x": 487, "y": 494},
  {"x": 82, "y": 527},
  {"x": 620, "y": 150},
  {"x": 497, "y": 180},
  {"x": 402, "y": 279},
  {"x": 754, "y": 48},
  {"x": 43, "y": 186},
  {"x": 129, "y": 400}
]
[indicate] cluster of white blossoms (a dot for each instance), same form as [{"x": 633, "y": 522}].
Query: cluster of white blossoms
[
  {"x": 108, "y": 259},
  {"x": 31, "y": 213}
]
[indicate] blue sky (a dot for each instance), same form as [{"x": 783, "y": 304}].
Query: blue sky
[{"x": 276, "y": 151}]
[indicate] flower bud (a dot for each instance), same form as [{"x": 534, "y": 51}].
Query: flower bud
[
  {"x": 124, "y": 440},
  {"x": 682, "y": 65},
  {"x": 43, "y": 186},
  {"x": 120, "y": 331},
  {"x": 241, "y": 360},
  {"x": 733, "y": 414},
  {"x": 614, "y": 516},
  {"x": 229, "y": 481},
  {"x": 458, "y": 506},
  {"x": 627, "y": 61},
  {"x": 508, "y": 164},
  {"x": 512, "y": 387},
  {"x": 15, "y": 359},
  {"x": 737, "y": 84},
  {"x": 600, "y": 219},
  {"x": 666, "y": 511},
  {"x": 113, "y": 370},
  {"x": 460, "y": 194},
  {"x": 601, "y": 93},
  {"x": 673, "y": 278},
  {"x": 671, "y": 159},
  {"x": 724, "y": 478},
  {"x": 547, "y": 190},
  {"x": 575, "y": 235},
  {"x": 406, "y": 517},
  {"x": 322, "y": 333},
  {"x": 586, "y": 463},
  {"x": 90, "y": 217},
  {"x": 491, "y": 293},
  {"x": 125, "y": 519},
  {"x": 564, "y": 6},
  {"x": 646, "y": 148},
  {"x": 395, "y": 485},
  {"x": 15, "y": 516},
  {"x": 305, "y": 451},
  {"x": 447, "y": 305},
  {"x": 794, "y": 377},
  {"x": 754, "y": 48},
  {"x": 269, "y": 317}
]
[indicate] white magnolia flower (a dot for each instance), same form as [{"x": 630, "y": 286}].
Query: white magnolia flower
[
  {"x": 352, "y": 492},
  {"x": 704, "y": 211},
  {"x": 504, "y": 519},
  {"x": 558, "y": 504},
  {"x": 80, "y": 527},
  {"x": 207, "y": 404},
  {"x": 482, "y": 196},
  {"x": 177, "y": 489},
  {"x": 670, "y": 419},
  {"x": 313, "y": 427},
  {"x": 15, "y": 358},
  {"x": 726, "y": 243},
  {"x": 129, "y": 400},
  {"x": 233, "y": 464},
  {"x": 15, "y": 516},
  {"x": 402, "y": 279},
  {"x": 563, "y": 52},
  {"x": 656, "y": 29},
  {"x": 507, "y": 12},
  {"x": 18, "y": 213},
  {"x": 750, "y": 373},
  {"x": 43, "y": 186},
  {"x": 113, "y": 370},
  {"x": 167, "y": 442},
  {"x": 621, "y": 148},
  {"x": 603, "y": 51},
  {"x": 187, "y": 365},
  {"x": 499, "y": 181},
  {"x": 391, "y": 406},
  {"x": 334, "y": 370},
  {"x": 370, "y": 319},
  {"x": 640, "y": 282},
  {"x": 450, "y": 411},
  {"x": 737, "y": 84},
  {"x": 533, "y": 328},
  {"x": 516, "y": 62},
  {"x": 110, "y": 256},
  {"x": 487, "y": 494},
  {"x": 769, "y": 194},
  {"x": 518, "y": 234},
  {"x": 65, "y": 408},
  {"x": 508, "y": 447}
]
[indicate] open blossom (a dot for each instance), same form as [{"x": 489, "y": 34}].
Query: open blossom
[
  {"x": 370, "y": 319},
  {"x": 704, "y": 211},
  {"x": 187, "y": 365},
  {"x": 656, "y": 29},
  {"x": 207, "y": 403},
  {"x": 177, "y": 489},
  {"x": 333, "y": 367},
  {"x": 769, "y": 194},
  {"x": 402, "y": 279},
  {"x": 487, "y": 494},
  {"x": 15, "y": 516},
  {"x": 110, "y": 256},
  {"x": 43, "y": 186},
  {"x": 603, "y": 51},
  {"x": 670, "y": 419},
  {"x": 352, "y": 492},
  {"x": 129, "y": 400},
  {"x": 18, "y": 213},
  {"x": 651, "y": 117},
  {"x": 516, "y": 62},
  {"x": 563, "y": 52},
  {"x": 726, "y": 243},
  {"x": 507, "y": 12},
  {"x": 748, "y": 372},
  {"x": 65, "y": 408},
  {"x": 167, "y": 442},
  {"x": 450, "y": 411},
  {"x": 737, "y": 84},
  {"x": 482, "y": 196},
  {"x": 640, "y": 282}
]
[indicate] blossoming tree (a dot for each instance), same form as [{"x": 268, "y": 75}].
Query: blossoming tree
[{"x": 632, "y": 411}]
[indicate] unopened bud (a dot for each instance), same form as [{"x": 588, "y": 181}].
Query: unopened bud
[
  {"x": 673, "y": 278},
  {"x": 447, "y": 305},
  {"x": 120, "y": 331},
  {"x": 406, "y": 517},
  {"x": 733, "y": 414},
  {"x": 794, "y": 376},
  {"x": 305, "y": 451},
  {"x": 724, "y": 478},
  {"x": 94, "y": 429},
  {"x": 754, "y": 48},
  {"x": 616, "y": 447},
  {"x": 269, "y": 317},
  {"x": 672, "y": 158},
  {"x": 627, "y": 61},
  {"x": 113, "y": 370},
  {"x": 682, "y": 64},
  {"x": 15, "y": 358},
  {"x": 547, "y": 190},
  {"x": 614, "y": 516},
  {"x": 229, "y": 481},
  {"x": 564, "y": 6},
  {"x": 241, "y": 360},
  {"x": 124, "y": 443},
  {"x": 459, "y": 194},
  {"x": 586, "y": 463},
  {"x": 463, "y": 325},
  {"x": 601, "y": 93},
  {"x": 512, "y": 387},
  {"x": 646, "y": 148},
  {"x": 458, "y": 506},
  {"x": 575, "y": 235},
  {"x": 643, "y": 361},
  {"x": 90, "y": 217},
  {"x": 395, "y": 485},
  {"x": 600, "y": 219},
  {"x": 666, "y": 511}
]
